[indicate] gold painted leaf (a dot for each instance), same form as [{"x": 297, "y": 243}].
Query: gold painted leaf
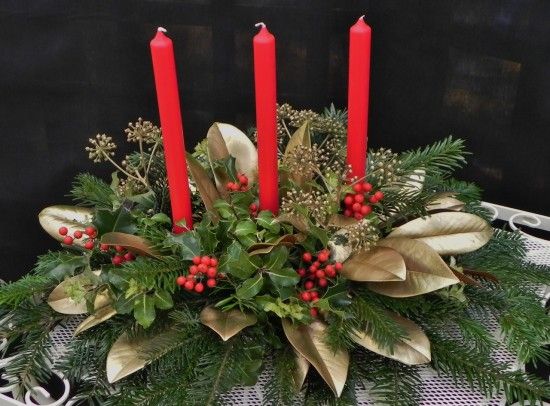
[
  {"x": 448, "y": 233},
  {"x": 341, "y": 221},
  {"x": 300, "y": 371},
  {"x": 207, "y": 190},
  {"x": 309, "y": 341},
  {"x": 466, "y": 279},
  {"x": 134, "y": 243},
  {"x": 300, "y": 137},
  {"x": 445, "y": 201},
  {"x": 380, "y": 264},
  {"x": 99, "y": 316},
  {"x": 415, "y": 181},
  {"x": 414, "y": 350},
  {"x": 217, "y": 150},
  {"x": 226, "y": 324},
  {"x": 296, "y": 220},
  {"x": 426, "y": 271},
  {"x": 125, "y": 358},
  {"x": 73, "y": 217},
  {"x": 60, "y": 301},
  {"x": 242, "y": 148},
  {"x": 266, "y": 247}
]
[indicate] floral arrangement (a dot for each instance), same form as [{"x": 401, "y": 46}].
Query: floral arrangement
[{"x": 353, "y": 282}]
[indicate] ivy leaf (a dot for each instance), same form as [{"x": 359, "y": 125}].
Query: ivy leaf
[
  {"x": 266, "y": 220},
  {"x": 163, "y": 299},
  {"x": 250, "y": 287},
  {"x": 284, "y": 277},
  {"x": 235, "y": 261},
  {"x": 277, "y": 258},
  {"x": 144, "y": 310},
  {"x": 187, "y": 244}
]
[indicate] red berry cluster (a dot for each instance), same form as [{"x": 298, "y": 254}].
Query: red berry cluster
[
  {"x": 90, "y": 231},
  {"x": 320, "y": 271},
  {"x": 203, "y": 268},
  {"x": 357, "y": 204},
  {"x": 120, "y": 254},
  {"x": 241, "y": 184},
  {"x": 253, "y": 209}
]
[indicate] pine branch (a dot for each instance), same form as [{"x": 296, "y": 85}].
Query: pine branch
[
  {"x": 280, "y": 389},
  {"x": 88, "y": 190},
  {"x": 14, "y": 293}
]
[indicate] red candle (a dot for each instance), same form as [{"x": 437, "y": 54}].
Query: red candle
[
  {"x": 358, "y": 96},
  {"x": 166, "y": 84},
  {"x": 266, "y": 118}
]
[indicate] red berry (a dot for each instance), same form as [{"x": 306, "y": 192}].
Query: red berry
[
  {"x": 367, "y": 187},
  {"x": 202, "y": 268},
  {"x": 331, "y": 272},
  {"x": 63, "y": 230},
  {"x": 117, "y": 259},
  {"x": 193, "y": 269},
  {"x": 338, "y": 266},
  {"x": 89, "y": 245},
  {"x": 357, "y": 188},
  {"x": 253, "y": 207},
  {"x": 317, "y": 264},
  {"x": 313, "y": 311},
  {"x": 243, "y": 179},
  {"x": 313, "y": 268},
  {"x": 243, "y": 188},
  {"x": 309, "y": 285},
  {"x": 197, "y": 260},
  {"x": 213, "y": 262},
  {"x": 129, "y": 256},
  {"x": 90, "y": 230},
  {"x": 211, "y": 272},
  {"x": 205, "y": 260},
  {"x": 348, "y": 200},
  {"x": 356, "y": 207},
  {"x": 211, "y": 282},
  {"x": 189, "y": 285},
  {"x": 359, "y": 198},
  {"x": 314, "y": 295},
  {"x": 119, "y": 248},
  {"x": 320, "y": 274},
  {"x": 302, "y": 272},
  {"x": 322, "y": 283},
  {"x": 229, "y": 186},
  {"x": 379, "y": 195},
  {"x": 348, "y": 213},
  {"x": 234, "y": 187},
  {"x": 373, "y": 199},
  {"x": 323, "y": 256},
  {"x": 103, "y": 247},
  {"x": 77, "y": 234},
  {"x": 191, "y": 277},
  {"x": 93, "y": 235},
  {"x": 305, "y": 296},
  {"x": 68, "y": 240},
  {"x": 365, "y": 209},
  {"x": 307, "y": 257},
  {"x": 180, "y": 280},
  {"x": 199, "y": 287},
  {"x": 358, "y": 216}
]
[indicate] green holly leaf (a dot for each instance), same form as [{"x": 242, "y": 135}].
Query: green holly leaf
[
  {"x": 225, "y": 210},
  {"x": 207, "y": 237},
  {"x": 163, "y": 300},
  {"x": 250, "y": 287},
  {"x": 319, "y": 234},
  {"x": 338, "y": 295},
  {"x": 118, "y": 220},
  {"x": 276, "y": 258},
  {"x": 187, "y": 244},
  {"x": 161, "y": 218},
  {"x": 266, "y": 220},
  {"x": 60, "y": 264},
  {"x": 245, "y": 228},
  {"x": 236, "y": 261},
  {"x": 144, "y": 310},
  {"x": 284, "y": 277}
]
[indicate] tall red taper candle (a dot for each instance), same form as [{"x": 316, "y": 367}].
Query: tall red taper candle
[
  {"x": 358, "y": 96},
  {"x": 166, "y": 83},
  {"x": 266, "y": 118}
]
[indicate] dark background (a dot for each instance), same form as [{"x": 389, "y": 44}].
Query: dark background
[{"x": 478, "y": 69}]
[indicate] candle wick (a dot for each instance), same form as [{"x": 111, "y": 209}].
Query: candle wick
[
  {"x": 162, "y": 29},
  {"x": 362, "y": 17},
  {"x": 260, "y": 24}
]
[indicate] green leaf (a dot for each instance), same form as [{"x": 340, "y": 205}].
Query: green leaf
[
  {"x": 283, "y": 277},
  {"x": 250, "y": 287},
  {"x": 266, "y": 220},
  {"x": 144, "y": 201},
  {"x": 235, "y": 261},
  {"x": 119, "y": 220},
  {"x": 319, "y": 234},
  {"x": 225, "y": 210},
  {"x": 163, "y": 299},
  {"x": 161, "y": 218},
  {"x": 277, "y": 258},
  {"x": 144, "y": 310},
  {"x": 207, "y": 237},
  {"x": 338, "y": 295},
  {"x": 245, "y": 228},
  {"x": 187, "y": 243},
  {"x": 60, "y": 264}
]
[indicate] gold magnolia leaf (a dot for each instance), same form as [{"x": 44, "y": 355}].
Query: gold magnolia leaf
[
  {"x": 465, "y": 278},
  {"x": 309, "y": 341},
  {"x": 379, "y": 264},
  {"x": 482, "y": 274},
  {"x": 426, "y": 271},
  {"x": 296, "y": 220},
  {"x": 73, "y": 217},
  {"x": 60, "y": 301},
  {"x": 341, "y": 221},
  {"x": 207, "y": 190},
  {"x": 242, "y": 148},
  {"x": 125, "y": 358},
  {"x": 226, "y": 324},
  {"x": 340, "y": 248},
  {"x": 445, "y": 201},
  {"x": 99, "y": 316},
  {"x": 300, "y": 371},
  {"x": 448, "y": 233},
  {"x": 266, "y": 247},
  {"x": 415, "y": 181},
  {"x": 300, "y": 137},
  {"x": 413, "y": 350},
  {"x": 133, "y": 243},
  {"x": 217, "y": 150}
]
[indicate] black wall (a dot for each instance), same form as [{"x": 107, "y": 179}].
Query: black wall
[{"x": 478, "y": 69}]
